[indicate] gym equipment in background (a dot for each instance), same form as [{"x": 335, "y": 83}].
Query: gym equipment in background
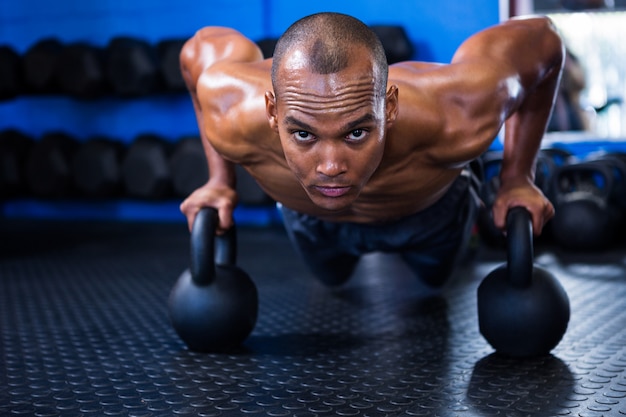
[
  {"x": 267, "y": 46},
  {"x": 589, "y": 198},
  {"x": 10, "y": 73},
  {"x": 188, "y": 166},
  {"x": 14, "y": 149},
  {"x": 168, "y": 51},
  {"x": 97, "y": 168},
  {"x": 49, "y": 166},
  {"x": 489, "y": 233},
  {"x": 132, "y": 67},
  {"x": 145, "y": 168},
  {"x": 80, "y": 71},
  {"x": 396, "y": 42},
  {"x": 40, "y": 65}
]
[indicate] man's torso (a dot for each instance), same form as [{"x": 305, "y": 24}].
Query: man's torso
[{"x": 409, "y": 178}]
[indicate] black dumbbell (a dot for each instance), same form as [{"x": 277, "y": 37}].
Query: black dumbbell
[
  {"x": 14, "y": 149},
  {"x": 49, "y": 166},
  {"x": 267, "y": 46},
  {"x": 131, "y": 67},
  {"x": 145, "y": 169},
  {"x": 397, "y": 45},
  {"x": 10, "y": 73},
  {"x": 248, "y": 190},
  {"x": 169, "y": 64},
  {"x": 80, "y": 72},
  {"x": 97, "y": 167},
  {"x": 39, "y": 65},
  {"x": 188, "y": 165}
]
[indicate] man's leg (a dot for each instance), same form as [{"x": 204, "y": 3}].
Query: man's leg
[
  {"x": 433, "y": 265},
  {"x": 319, "y": 248},
  {"x": 434, "y": 258}
]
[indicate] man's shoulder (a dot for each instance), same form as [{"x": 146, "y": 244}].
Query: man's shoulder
[
  {"x": 415, "y": 79},
  {"x": 409, "y": 71},
  {"x": 216, "y": 33},
  {"x": 232, "y": 82},
  {"x": 232, "y": 102}
]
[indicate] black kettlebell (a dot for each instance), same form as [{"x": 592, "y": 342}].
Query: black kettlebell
[
  {"x": 586, "y": 218},
  {"x": 214, "y": 304},
  {"x": 523, "y": 310}
]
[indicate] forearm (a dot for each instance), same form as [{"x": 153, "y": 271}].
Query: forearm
[
  {"x": 219, "y": 191},
  {"x": 221, "y": 171},
  {"x": 526, "y": 126},
  {"x": 525, "y": 129}
]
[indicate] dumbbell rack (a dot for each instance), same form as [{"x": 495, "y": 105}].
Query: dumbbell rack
[
  {"x": 117, "y": 117},
  {"x": 107, "y": 115}
]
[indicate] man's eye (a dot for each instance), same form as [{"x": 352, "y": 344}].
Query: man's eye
[
  {"x": 303, "y": 135},
  {"x": 356, "y": 134}
]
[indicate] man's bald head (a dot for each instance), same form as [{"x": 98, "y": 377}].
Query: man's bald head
[{"x": 327, "y": 41}]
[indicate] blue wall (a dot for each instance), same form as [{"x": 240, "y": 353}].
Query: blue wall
[
  {"x": 440, "y": 26},
  {"x": 435, "y": 28}
]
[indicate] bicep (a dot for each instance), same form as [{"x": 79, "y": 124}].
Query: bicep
[{"x": 469, "y": 105}]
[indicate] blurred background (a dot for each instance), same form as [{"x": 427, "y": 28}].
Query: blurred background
[{"x": 594, "y": 33}]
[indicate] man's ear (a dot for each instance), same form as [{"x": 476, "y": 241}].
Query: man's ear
[
  {"x": 391, "y": 105},
  {"x": 270, "y": 110}
]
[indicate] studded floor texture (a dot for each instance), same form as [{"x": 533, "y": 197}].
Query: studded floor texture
[{"x": 85, "y": 332}]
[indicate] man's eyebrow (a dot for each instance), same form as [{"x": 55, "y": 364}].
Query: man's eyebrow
[
  {"x": 292, "y": 121},
  {"x": 367, "y": 118}
]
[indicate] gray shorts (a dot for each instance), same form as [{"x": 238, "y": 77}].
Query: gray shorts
[{"x": 429, "y": 241}]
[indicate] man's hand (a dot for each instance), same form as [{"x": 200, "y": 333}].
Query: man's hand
[
  {"x": 218, "y": 196},
  {"x": 523, "y": 194}
]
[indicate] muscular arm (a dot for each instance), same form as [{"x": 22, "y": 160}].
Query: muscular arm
[
  {"x": 527, "y": 55},
  {"x": 208, "y": 47}
]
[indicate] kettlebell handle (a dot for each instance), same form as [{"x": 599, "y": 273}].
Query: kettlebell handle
[
  {"x": 520, "y": 258},
  {"x": 208, "y": 249}
]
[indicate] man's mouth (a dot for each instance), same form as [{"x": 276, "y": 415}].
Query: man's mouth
[{"x": 330, "y": 191}]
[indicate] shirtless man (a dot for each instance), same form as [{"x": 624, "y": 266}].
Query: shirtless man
[{"x": 364, "y": 157}]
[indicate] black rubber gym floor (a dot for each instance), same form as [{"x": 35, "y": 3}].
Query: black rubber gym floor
[{"x": 85, "y": 332}]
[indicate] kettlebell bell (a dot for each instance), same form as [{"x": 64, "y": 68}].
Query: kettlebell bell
[
  {"x": 523, "y": 310},
  {"x": 214, "y": 304}
]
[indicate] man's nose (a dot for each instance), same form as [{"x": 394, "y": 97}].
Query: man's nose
[{"x": 331, "y": 162}]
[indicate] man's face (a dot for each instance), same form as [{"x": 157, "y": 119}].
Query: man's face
[{"x": 331, "y": 127}]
